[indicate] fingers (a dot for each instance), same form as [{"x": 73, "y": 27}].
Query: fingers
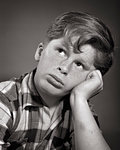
[
  {"x": 95, "y": 74},
  {"x": 99, "y": 73},
  {"x": 100, "y": 78},
  {"x": 96, "y": 80},
  {"x": 91, "y": 86}
]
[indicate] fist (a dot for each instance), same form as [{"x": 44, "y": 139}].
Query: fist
[{"x": 90, "y": 87}]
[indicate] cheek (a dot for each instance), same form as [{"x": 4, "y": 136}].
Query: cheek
[
  {"x": 50, "y": 60},
  {"x": 77, "y": 78}
]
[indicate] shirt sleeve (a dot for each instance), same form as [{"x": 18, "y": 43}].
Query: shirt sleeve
[{"x": 5, "y": 121}]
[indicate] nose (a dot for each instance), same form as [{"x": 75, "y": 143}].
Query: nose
[{"x": 64, "y": 67}]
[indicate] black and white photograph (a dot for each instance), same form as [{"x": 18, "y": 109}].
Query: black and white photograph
[{"x": 59, "y": 75}]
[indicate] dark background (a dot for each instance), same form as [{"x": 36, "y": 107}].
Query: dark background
[{"x": 22, "y": 27}]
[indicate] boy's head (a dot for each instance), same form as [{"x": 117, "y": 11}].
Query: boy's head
[
  {"x": 89, "y": 30},
  {"x": 75, "y": 45}
]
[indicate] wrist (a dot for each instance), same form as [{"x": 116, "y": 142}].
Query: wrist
[
  {"x": 78, "y": 103},
  {"x": 82, "y": 94},
  {"x": 77, "y": 98}
]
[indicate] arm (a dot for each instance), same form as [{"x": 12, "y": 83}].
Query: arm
[
  {"x": 87, "y": 133},
  {"x": 5, "y": 121}
]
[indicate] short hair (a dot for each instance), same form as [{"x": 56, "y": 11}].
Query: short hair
[{"x": 90, "y": 30}]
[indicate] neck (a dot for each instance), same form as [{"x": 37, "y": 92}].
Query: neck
[{"x": 49, "y": 100}]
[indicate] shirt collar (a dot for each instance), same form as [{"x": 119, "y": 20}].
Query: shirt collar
[
  {"x": 32, "y": 98},
  {"x": 29, "y": 92}
]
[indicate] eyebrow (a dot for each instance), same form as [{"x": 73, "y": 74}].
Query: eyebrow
[
  {"x": 76, "y": 46},
  {"x": 77, "y": 51},
  {"x": 66, "y": 44}
]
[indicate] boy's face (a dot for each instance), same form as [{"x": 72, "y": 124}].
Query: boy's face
[{"x": 61, "y": 66}]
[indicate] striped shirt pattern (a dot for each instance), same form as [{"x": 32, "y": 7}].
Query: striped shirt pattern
[{"x": 26, "y": 123}]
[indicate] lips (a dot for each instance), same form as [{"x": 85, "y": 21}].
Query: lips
[
  {"x": 56, "y": 81},
  {"x": 57, "y": 78}
]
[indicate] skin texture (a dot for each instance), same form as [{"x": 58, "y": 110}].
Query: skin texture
[
  {"x": 61, "y": 59},
  {"x": 63, "y": 69}
]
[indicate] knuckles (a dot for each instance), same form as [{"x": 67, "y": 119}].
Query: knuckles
[{"x": 91, "y": 86}]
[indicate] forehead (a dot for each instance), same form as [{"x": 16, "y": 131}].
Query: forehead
[
  {"x": 69, "y": 41},
  {"x": 74, "y": 44},
  {"x": 86, "y": 53}
]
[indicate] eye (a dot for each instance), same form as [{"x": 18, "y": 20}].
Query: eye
[
  {"x": 79, "y": 64},
  {"x": 61, "y": 52}
]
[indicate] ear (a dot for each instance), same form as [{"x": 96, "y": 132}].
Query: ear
[{"x": 38, "y": 52}]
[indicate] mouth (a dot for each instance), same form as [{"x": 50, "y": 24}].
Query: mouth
[{"x": 55, "y": 81}]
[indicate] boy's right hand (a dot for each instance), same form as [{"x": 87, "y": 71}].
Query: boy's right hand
[{"x": 88, "y": 88}]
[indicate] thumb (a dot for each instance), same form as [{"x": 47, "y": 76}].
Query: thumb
[{"x": 94, "y": 74}]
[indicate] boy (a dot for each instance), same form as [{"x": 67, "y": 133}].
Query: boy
[{"x": 49, "y": 107}]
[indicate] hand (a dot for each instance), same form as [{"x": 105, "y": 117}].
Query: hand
[
  {"x": 85, "y": 126},
  {"x": 88, "y": 88}
]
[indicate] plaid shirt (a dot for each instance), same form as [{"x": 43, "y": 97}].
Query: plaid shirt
[{"x": 25, "y": 122}]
